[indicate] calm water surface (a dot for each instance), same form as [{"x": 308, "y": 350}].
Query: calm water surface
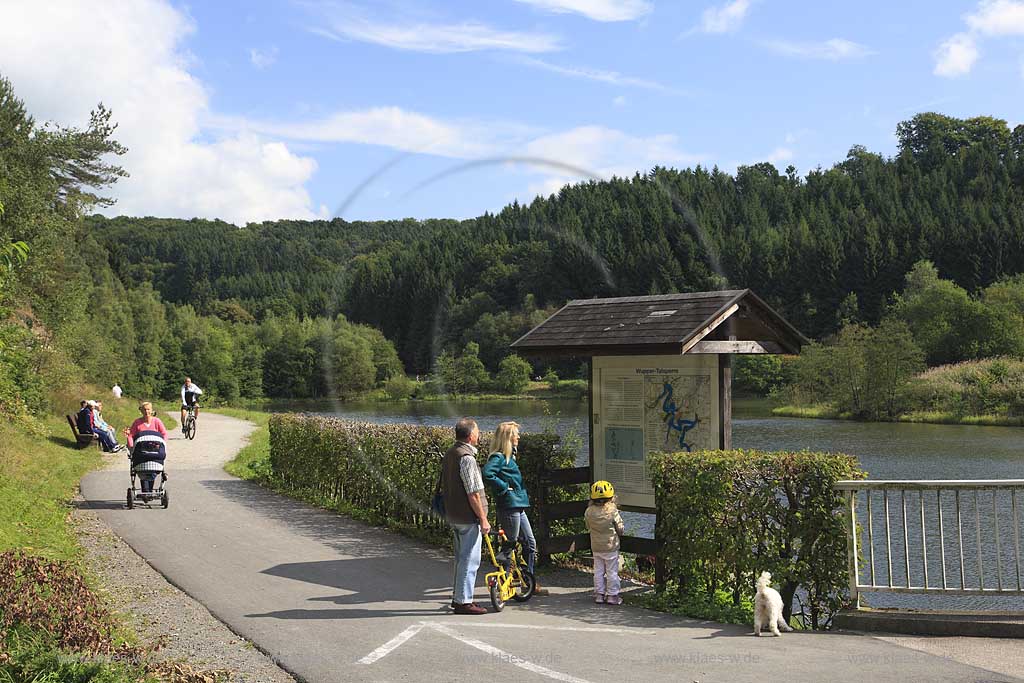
[{"x": 884, "y": 450}]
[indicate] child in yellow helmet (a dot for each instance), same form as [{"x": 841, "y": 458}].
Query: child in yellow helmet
[{"x": 605, "y": 526}]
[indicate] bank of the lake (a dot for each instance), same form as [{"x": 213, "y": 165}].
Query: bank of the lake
[{"x": 825, "y": 412}]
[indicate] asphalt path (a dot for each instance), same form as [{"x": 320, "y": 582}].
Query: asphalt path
[{"x": 331, "y": 599}]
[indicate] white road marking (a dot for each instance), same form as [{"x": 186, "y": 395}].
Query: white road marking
[
  {"x": 507, "y": 657},
  {"x": 388, "y": 647},
  {"x": 385, "y": 649},
  {"x": 585, "y": 629}
]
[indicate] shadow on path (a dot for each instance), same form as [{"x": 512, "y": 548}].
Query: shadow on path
[{"x": 342, "y": 534}]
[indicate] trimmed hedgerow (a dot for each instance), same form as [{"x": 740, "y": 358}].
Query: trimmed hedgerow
[
  {"x": 385, "y": 473},
  {"x": 726, "y": 516}
]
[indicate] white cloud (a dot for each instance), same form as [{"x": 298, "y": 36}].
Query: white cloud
[
  {"x": 998, "y": 18},
  {"x": 599, "y": 75},
  {"x": 393, "y": 127},
  {"x": 345, "y": 22},
  {"x": 261, "y": 59},
  {"x": 603, "y": 152},
  {"x": 598, "y": 10},
  {"x": 568, "y": 156},
  {"x": 724, "y": 19},
  {"x": 956, "y": 56},
  {"x": 779, "y": 154},
  {"x": 139, "y": 69},
  {"x": 619, "y": 101},
  {"x": 836, "y": 49}
]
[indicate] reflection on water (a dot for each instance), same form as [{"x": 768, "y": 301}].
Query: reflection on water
[{"x": 884, "y": 450}]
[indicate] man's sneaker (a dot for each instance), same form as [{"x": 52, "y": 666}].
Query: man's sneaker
[
  {"x": 469, "y": 608},
  {"x": 613, "y": 600},
  {"x": 599, "y": 598}
]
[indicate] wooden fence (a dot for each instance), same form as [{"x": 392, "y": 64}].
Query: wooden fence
[{"x": 548, "y": 512}]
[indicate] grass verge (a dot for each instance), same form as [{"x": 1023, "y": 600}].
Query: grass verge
[
  {"x": 824, "y": 412},
  {"x": 40, "y": 468}
]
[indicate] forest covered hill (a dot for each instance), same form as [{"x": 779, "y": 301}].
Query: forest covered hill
[{"x": 837, "y": 240}]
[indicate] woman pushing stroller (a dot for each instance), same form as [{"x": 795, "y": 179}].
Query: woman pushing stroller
[{"x": 147, "y": 441}]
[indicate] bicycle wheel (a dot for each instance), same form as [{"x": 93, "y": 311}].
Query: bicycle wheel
[
  {"x": 496, "y": 600},
  {"x": 526, "y": 584},
  {"x": 190, "y": 429}
]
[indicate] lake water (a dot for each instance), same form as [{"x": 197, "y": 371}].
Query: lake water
[{"x": 884, "y": 450}]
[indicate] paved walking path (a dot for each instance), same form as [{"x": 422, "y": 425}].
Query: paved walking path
[{"x": 331, "y": 599}]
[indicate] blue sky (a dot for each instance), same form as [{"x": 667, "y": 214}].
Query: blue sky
[{"x": 252, "y": 111}]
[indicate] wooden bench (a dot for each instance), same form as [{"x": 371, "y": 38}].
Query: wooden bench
[{"x": 83, "y": 440}]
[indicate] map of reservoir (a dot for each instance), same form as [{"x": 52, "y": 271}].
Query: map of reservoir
[{"x": 677, "y": 413}]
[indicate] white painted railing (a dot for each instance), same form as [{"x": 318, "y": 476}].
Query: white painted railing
[{"x": 925, "y": 551}]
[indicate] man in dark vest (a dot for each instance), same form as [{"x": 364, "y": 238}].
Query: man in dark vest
[{"x": 465, "y": 505}]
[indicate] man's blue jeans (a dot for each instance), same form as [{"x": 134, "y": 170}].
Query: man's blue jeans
[
  {"x": 467, "y": 561},
  {"x": 517, "y": 527}
]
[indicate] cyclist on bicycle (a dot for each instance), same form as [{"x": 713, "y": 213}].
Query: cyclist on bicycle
[{"x": 189, "y": 398}]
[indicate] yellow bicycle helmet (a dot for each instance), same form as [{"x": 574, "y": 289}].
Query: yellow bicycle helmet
[{"x": 602, "y": 489}]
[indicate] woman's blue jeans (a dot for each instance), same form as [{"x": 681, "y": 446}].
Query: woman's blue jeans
[{"x": 517, "y": 526}]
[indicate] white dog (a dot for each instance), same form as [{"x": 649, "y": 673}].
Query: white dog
[{"x": 768, "y": 607}]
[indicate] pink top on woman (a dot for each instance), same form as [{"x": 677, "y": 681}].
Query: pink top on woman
[{"x": 140, "y": 425}]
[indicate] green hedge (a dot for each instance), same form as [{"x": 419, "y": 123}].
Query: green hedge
[
  {"x": 385, "y": 473},
  {"x": 726, "y": 516}
]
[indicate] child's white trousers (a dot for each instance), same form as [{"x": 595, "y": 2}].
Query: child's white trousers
[{"x": 606, "y": 573}]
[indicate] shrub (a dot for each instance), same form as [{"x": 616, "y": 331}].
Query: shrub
[
  {"x": 861, "y": 371},
  {"x": 398, "y": 387},
  {"x": 384, "y": 473},
  {"x": 513, "y": 374},
  {"x": 726, "y": 516},
  {"x": 551, "y": 377},
  {"x": 985, "y": 387},
  {"x": 761, "y": 374}
]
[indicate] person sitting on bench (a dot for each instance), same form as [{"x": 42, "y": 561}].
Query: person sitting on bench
[{"x": 107, "y": 440}]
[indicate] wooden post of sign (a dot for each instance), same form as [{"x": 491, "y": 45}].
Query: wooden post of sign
[
  {"x": 590, "y": 415},
  {"x": 724, "y": 401},
  {"x": 725, "y": 395}
]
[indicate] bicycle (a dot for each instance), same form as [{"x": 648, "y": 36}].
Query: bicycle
[
  {"x": 189, "y": 428},
  {"x": 515, "y": 583}
]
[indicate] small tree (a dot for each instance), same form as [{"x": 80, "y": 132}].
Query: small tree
[
  {"x": 471, "y": 369},
  {"x": 446, "y": 373},
  {"x": 551, "y": 377},
  {"x": 513, "y": 374},
  {"x": 398, "y": 387}
]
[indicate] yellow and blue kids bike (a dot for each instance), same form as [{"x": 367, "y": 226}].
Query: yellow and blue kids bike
[{"x": 511, "y": 580}]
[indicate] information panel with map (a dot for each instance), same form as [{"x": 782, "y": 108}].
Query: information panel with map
[{"x": 644, "y": 404}]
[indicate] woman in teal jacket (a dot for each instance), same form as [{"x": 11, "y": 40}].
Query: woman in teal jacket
[{"x": 506, "y": 482}]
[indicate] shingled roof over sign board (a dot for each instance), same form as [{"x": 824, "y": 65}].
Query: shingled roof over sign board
[{"x": 730, "y": 321}]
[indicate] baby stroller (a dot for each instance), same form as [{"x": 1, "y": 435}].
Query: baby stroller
[{"x": 147, "y": 463}]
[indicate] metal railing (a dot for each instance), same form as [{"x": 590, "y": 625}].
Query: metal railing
[{"x": 925, "y": 551}]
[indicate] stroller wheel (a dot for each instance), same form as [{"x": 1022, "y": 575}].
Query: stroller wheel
[
  {"x": 131, "y": 498},
  {"x": 165, "y": 499}
]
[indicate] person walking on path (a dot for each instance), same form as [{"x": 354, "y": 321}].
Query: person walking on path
[
  {"x": 465, "y": 506},
  {"x": 116, "y": 391},
  {"x": 605, "y": 526},
  {"x": 147, "y": 439},
  {"x": 502, "y": 473}
]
